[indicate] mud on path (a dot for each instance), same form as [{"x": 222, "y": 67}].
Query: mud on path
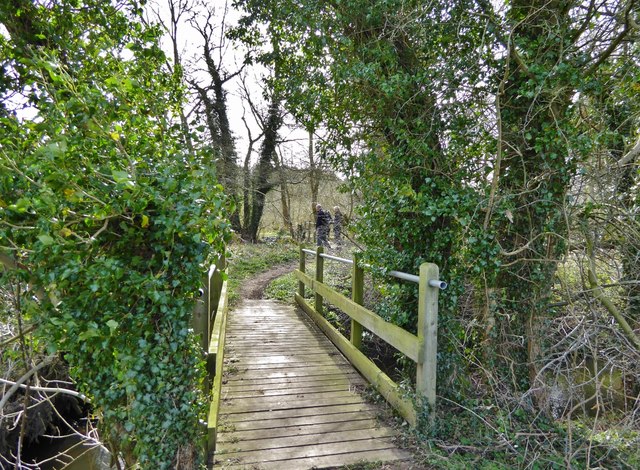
[{"x": 254, "y": 287}]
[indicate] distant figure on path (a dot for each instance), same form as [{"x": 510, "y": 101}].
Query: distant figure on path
[
  {"x": 337, "y": 225},
  {"x": 323, "y": 219}
]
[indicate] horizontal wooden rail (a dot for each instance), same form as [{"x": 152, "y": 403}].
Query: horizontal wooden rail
[
  {"x": 421, "y": 348},
  {"x": 387, "y": 387},
  {"x": 400, "y": 339},
  {"x": 209, "y": 323},
  {"x": 215, "y": 361}
]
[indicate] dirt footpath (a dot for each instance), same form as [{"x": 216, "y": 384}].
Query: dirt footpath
[{"x": 254, "y": 288}]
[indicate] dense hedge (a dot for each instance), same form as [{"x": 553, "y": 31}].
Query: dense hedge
[{"x": 107, "y": 214}]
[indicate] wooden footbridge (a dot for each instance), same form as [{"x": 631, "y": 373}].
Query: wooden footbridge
[{"x": 286, "y": 386}]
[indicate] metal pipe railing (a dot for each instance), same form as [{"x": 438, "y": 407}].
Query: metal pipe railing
[
  {"x": 404, "y": 276},
  {"x": 397, "y": 274},
  {"x": 336, "y": 258},
  {"x": 438, "y": 283}
]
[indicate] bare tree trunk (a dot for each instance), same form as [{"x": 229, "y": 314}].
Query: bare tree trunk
[
  {"x": 176, "y": 11},
  {"x": 247, "y": 189},
  {"x": 627, "y": 196},
  {"x": 314, "y": 177},
  {"x": 261, "y": 183},
  {"x": 284, "y": 195},
  {"x": 217, "y": 117}
]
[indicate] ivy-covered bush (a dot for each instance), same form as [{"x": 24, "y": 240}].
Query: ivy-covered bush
[{"x": 108, "y": 218}]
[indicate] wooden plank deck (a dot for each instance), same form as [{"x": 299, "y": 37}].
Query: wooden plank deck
[{"x": 290, "y": 400}]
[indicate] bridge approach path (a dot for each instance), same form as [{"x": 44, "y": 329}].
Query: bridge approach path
[{"x": 290, "y": 400}]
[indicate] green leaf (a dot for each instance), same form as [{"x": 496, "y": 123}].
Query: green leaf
[
  {"x": 112, "y": 324},
  {"x": 120, "y": 176},
  {"x": 21, "y": 205},
  {"x": 90, "y": 333},
  {"x": 46, "y": 239}
]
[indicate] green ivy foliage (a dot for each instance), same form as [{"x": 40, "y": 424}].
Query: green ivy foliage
[
  {"x": 106, "y": 212},
  {"x": 425, "y": 107},
  {"x": 400, "y": 128},
  {"x": 469, "y": 129}
]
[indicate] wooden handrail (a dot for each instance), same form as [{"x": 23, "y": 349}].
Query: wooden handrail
[
  {"x": 400, "y": 339},
  {"x": 207, "y": 302},
  {"x": 421, "y": 348},
  {"x": 209, "y": 322},
  {"x": 215, "y": 361}
]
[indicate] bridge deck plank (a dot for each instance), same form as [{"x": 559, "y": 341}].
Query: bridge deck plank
[
  {"x": 290, "y": 400},
  {"x": 272, "y": 423}
]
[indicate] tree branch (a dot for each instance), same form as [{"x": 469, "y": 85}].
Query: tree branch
[
  {"x": 498, "y": 27},
  {"x": 598, "y": 293},
  {"x": 627, "y": 28},
  {"x": 27, "y": 330},
  {"x": 12, "y": 265},
  {"x": 496, "y": 166},
  {"x": 19, "y": 383},
  {"x": 54, "y": 390},
  {"x": 630, "y": 155}
]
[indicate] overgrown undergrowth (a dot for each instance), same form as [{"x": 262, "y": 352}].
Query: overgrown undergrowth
[{"x": 489, "y": 426}]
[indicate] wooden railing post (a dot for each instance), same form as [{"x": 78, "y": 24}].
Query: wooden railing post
[
  {"x": 199, "y": 321},
  {"x": 211, "y": 294},
  {"x": 319, "y": 277},
  {"x": 302, "y": 268},
  {"x": 215, "y": 284},
  {"x": 357, "y": 295},
  {"x": 428, "y": 333}
]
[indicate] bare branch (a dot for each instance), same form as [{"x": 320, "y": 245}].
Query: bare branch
[
  {"x": 498, "y": 27},
  {"x": 631, "y": 155},
  {"x": 627, "y": 27},
  {"x": 599, "y": 294},
  {"x": 54, "y": 390},
  {"x": 18, "y": 384}
]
